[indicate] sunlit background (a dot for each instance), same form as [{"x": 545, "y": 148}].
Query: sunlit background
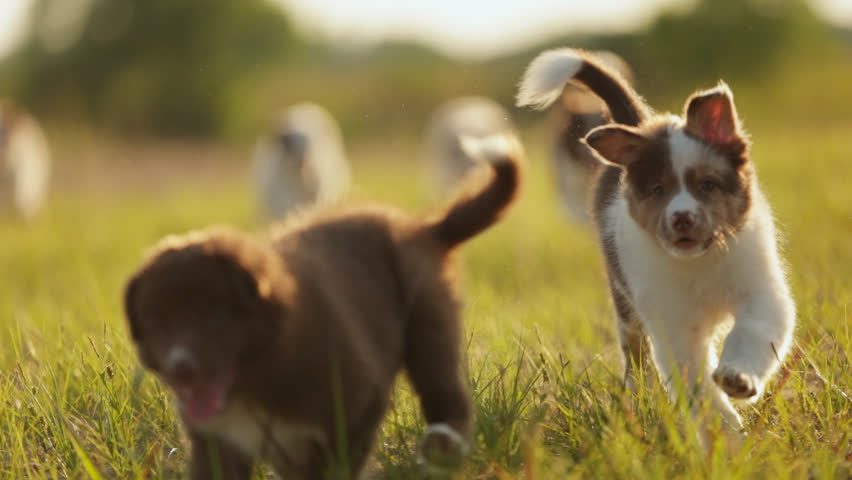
[
  {"x": 473, "y": 28},
  {"x": 185, "y": 69},
  {"x": 130, "y": 91}
]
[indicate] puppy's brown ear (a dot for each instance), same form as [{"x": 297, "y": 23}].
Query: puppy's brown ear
[
  {"x": 130, "y": 306},
  {"x": 252, "y": 285},
  {"x": 712, "y": 117},
  {"x": 246, "y": 287},
  {"x": 617, "y": 145}
]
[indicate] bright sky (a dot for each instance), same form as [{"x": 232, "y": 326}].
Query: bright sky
[
  {"x": 468, "y": 27},
  {"x": 11, "y": 22},
  {"x": 460, "y": 27}
]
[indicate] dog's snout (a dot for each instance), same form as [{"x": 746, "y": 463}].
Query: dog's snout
[
  {"x": 293, "y": 142},
  {"x": 683, "y": 221},
  {"x": 181, "y": 366}
]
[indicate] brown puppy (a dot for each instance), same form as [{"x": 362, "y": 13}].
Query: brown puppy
[{"x": 288, "y": 349}]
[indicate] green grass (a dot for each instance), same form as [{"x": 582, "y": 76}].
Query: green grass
[{"x": 543, "y": 364}]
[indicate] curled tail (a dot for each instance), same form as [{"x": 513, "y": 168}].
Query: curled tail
[
  {"x": 482, "y": 205},
  {"x": 547, "y": 75}
]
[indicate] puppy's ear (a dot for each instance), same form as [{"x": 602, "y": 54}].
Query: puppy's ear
[
  {"x": 712, "y": 117},
  {"x": 617, "y": 145},
  {"x": 252, "y": 286},
  {"x": 130, "y": 306}
]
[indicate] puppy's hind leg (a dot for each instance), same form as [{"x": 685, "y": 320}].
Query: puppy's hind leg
[{"x": 433, "y": 361}]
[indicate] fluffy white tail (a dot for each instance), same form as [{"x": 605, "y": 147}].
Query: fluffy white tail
[
  {"x": 491, "y": 149},
  {"x": 546, "y": 76}
]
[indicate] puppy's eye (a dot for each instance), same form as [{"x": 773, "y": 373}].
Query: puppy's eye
[
  {"x": 659, "y": 190},
  {"x": 708, "y": 185}
]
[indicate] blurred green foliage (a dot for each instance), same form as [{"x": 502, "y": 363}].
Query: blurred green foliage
[
  {"x": 202, "y": 68},
  {"x": 736, "y": 39},
  {"x": 149, "y": 66}
]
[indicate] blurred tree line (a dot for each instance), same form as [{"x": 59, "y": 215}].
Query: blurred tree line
[
  {"x": 213, "y": 68},
  {"x": 146, "y": 66}
]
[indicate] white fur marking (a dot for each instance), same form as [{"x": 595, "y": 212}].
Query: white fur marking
[
  {"x": 684, "y": 152},
  {"x": 176, "y": 355},
  {"x": 492, "y": 149},
  {"x": 546, "y": 76},
  {"x": 682, "y": 202},
  {"x": 449, "y": 432},
  {"x": 257, "y": 434}
]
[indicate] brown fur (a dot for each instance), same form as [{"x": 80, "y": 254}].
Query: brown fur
[
  {"x": 311, "y": 327},
  {"x": 728, "y": 213}
]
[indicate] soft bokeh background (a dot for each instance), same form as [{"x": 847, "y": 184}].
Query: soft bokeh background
[
  {"x": 145, "y": 72},
  {"x": 151, "y": 108},
  {"x": 188, "y": 69}
]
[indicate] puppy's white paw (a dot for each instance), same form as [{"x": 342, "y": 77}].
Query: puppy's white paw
[
  {"x": 736, "y": 384},
  {"x": 442, "y": 447}
]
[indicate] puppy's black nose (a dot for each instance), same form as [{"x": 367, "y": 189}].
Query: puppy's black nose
[
  {"x": 182, "y": 367},
  {"x": 683, "y": 221}
]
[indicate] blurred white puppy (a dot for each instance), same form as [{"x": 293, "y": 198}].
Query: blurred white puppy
[
  {"x": 24, "y": 162},
  {"x": 476, "y": 117},
  {"x": 579, "y": 111},
  {"x": 300, "y": 162}
]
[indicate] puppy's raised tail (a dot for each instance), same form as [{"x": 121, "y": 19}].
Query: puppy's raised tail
[
  {"x": 547, "y": 75},
  {"x": 481, "y": 205}
]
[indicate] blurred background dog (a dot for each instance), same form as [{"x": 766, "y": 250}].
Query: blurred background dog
[
  {"x": 300, "y": 162},
  {"x": 462, "y": 116},
  {"x": 24, "y": 162}
]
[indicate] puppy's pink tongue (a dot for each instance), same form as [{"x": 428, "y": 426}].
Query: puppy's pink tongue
[{"x": 203, "y": 403}]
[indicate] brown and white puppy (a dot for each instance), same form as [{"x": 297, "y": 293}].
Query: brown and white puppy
[
  {"x": 24, "y": 162},
  {"x": 687, "y": 235},
  {"x": 575, "y": 166},
  {"x": 300, "y": 162},
  {"x": 287, "y": 349},
  {"x": 453, "y": 120}
]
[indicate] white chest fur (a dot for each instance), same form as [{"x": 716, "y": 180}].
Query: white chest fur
[
  {"x": 681, "y": 303},
  {"x": 262, "y": 436},
  {"x": 704, "y": 290}
]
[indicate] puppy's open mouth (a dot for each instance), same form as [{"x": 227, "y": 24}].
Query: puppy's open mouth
[
  {"x": 686, "y": 243},
  {"x": 202, "y": 403}
]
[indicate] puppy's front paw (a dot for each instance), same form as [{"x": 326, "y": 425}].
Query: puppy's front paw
[
  {"x": 443, "y": 447},
  {"x": 735, "y": 384}
]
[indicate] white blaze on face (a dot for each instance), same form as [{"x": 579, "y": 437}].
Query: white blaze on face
[
  {"x": 177, "y": 354},
  {"x": 681, "y": 203},
  {"x": 684, "y": 153}
]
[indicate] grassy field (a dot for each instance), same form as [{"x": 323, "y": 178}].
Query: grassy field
[{"x": 544, "y": 367}]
